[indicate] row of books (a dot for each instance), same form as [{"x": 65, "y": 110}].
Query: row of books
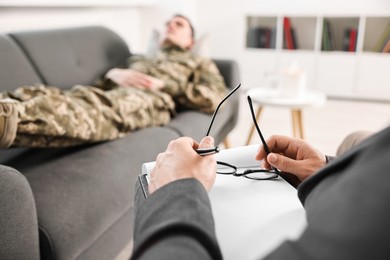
[
  {"x": 383, "y": 43},
  {"x": 265, "y": 37},
  {"x": 348, "y": 41},
  {"x": 261, "y": 37}
]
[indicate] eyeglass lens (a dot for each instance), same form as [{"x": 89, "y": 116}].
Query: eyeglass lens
[
  {"x": 254, "y": 174},
  {"x": 259, "y": 174}
]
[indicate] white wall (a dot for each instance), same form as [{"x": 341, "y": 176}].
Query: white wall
[
  {"x": 154, "y": 18},
  {"x": 131, "y": 19},
  {"x": 123, "y": 20}
]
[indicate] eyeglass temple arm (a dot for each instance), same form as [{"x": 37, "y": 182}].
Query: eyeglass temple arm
[
  {"x": 257, "y": 126},
  {"x": 219, "y": 105},
  {"x": 266, "y": 148}
]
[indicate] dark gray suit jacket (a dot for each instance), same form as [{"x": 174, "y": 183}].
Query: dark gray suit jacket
[{"x": 347, "y": 206}]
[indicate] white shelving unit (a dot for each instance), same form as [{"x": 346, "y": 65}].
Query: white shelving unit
[{"x": 361, "y": 73}]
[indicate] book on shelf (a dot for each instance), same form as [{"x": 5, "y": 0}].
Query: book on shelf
[
  {"x": 327, "y": 37},
  {"x": 383, "y": 39},
  {"x": 352, "y": 40},
  {"x": 386, "y": 48},
  {"x": 349, "y": 39},
  {"x": 386, "y": 43},
  {"x": 288, "y": 34},
  {"x": 261, "y": 37},
  {"x": 264, "y": 37},
  {"x": 294, "y": 38}
]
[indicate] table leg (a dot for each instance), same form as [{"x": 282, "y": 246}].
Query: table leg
[
  {"x": 297, "y": 124},
  {"x": 300, "y": 123},
  {"x": 258, "y": 112},
  {"x": 226, "y": 143},
  {"x": 294, "y": 122}
]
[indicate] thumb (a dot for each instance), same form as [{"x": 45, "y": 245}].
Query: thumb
[
  {"x": 207, "y": 142},
  {"x": 281, "y": 162}
]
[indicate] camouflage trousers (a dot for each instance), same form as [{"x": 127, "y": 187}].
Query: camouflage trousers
[{"x": 50, "y": 117}]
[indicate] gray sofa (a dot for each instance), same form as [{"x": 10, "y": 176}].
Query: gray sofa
[{"x": 78, "y": 201}]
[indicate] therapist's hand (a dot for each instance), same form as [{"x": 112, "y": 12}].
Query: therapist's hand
[
  {"x": 180, "y": 161},
  {"x": 292, "y": 155}
]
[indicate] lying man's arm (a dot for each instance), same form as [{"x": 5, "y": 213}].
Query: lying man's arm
[{"x": 175, "y": 222}]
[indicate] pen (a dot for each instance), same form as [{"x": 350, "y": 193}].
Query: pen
[{"x": 207, "y": 151}]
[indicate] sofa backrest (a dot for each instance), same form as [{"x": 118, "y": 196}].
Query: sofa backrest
[
  {"x": 15, "y": 68},
  {"x": 64, "y": 57}
]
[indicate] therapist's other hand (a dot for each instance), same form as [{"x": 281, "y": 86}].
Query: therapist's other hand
[
  {"x": 181, "y": 161},
  {"x": 292, "y": 155}
]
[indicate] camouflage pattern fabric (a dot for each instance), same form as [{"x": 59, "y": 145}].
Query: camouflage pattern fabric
[
  {"x": 193, "y": 82},
  {"x": 51, "y": 117}
]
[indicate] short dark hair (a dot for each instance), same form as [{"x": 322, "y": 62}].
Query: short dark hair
[{"x": 189, "y": 21}]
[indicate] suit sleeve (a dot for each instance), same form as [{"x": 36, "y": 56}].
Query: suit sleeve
[
  {"x": 347, "y": 207},
  {"x": 175, "y": 222}
]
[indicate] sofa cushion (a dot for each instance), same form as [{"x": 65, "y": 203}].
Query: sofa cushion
[
  {"x": 66, "y": 57},
  {"x": 82, "y": 192},
  {"x": 15, "y": 69}
]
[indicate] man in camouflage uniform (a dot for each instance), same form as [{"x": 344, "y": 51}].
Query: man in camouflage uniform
[{"x": 146, "y": 94}]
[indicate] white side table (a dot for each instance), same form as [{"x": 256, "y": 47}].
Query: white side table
[{"x": 264, "y": 97}]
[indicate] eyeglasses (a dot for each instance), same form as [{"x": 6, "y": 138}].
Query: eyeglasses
[{"x": 229, "y": 169}]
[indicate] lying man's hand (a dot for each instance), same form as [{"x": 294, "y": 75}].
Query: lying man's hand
[
  {"x": 132, "y": 78},
  {"x": 292, "y": 155},
  {"x": 181, "y": 161}
]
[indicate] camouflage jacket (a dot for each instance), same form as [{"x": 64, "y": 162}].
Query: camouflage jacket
[{"x": 193, "y": 82}]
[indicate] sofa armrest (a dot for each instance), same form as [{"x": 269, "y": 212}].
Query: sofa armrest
[
  {"x": 19, "y": 225},
  {"x": 230, "y": 71}
]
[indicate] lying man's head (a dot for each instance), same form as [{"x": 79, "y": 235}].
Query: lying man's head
[{"x": 179, "y": 31}]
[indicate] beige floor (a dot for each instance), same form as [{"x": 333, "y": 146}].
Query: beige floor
[{"x": 325, "y": 127}]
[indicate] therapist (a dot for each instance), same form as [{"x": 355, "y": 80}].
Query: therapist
[{"x": 346, "y": 202}]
